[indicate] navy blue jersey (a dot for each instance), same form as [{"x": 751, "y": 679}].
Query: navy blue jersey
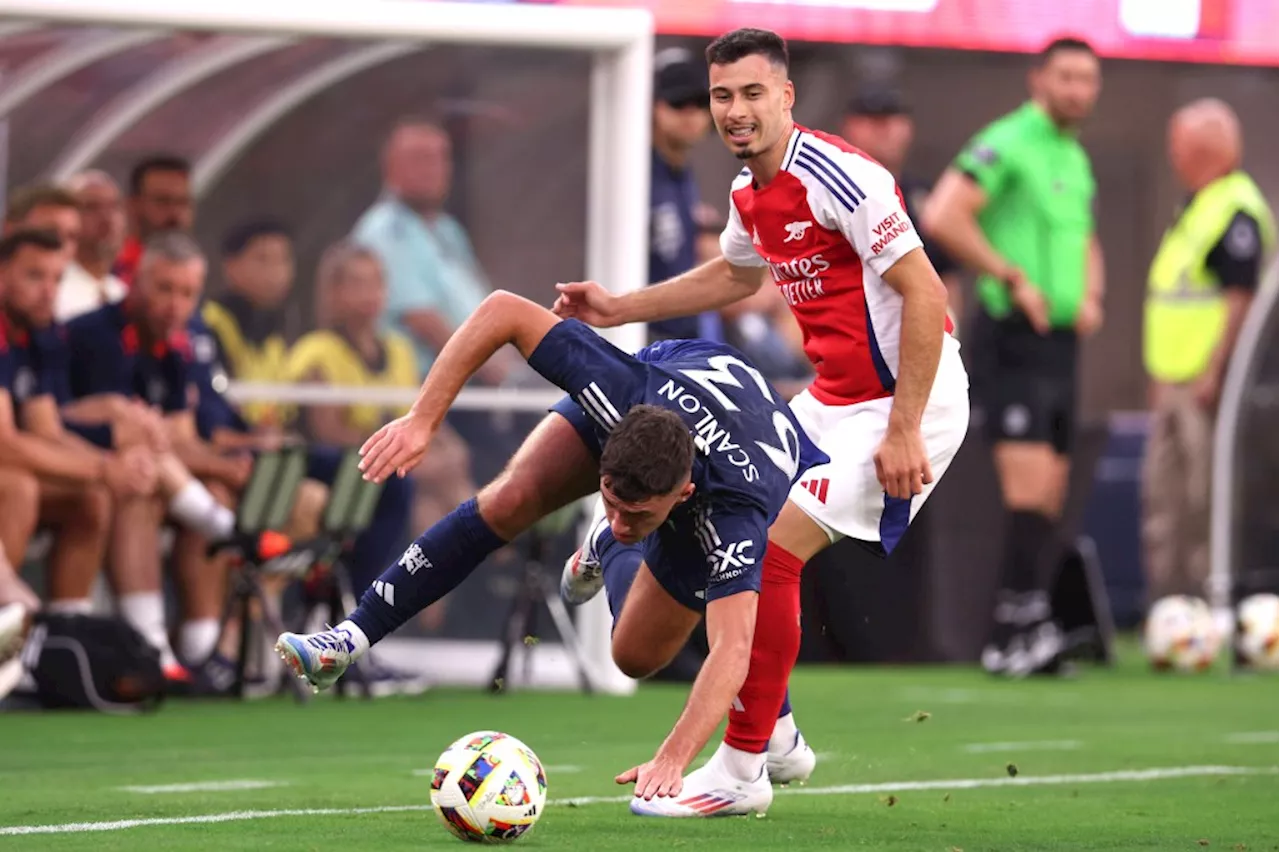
[
  {"x": 40, "y": 363},
  {"x": 108, "y": 356},
  {"x": 751, "y": 450}
]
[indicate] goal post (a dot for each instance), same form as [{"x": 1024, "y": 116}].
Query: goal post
[{"x": 619, "y": 41}]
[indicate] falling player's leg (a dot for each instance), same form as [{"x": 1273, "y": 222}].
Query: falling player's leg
[
  {"x": 601, "y": 562},
  {"x": 551, "y": 469}
]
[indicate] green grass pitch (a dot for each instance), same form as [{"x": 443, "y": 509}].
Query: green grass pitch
[{"x": 1118, "y": 759}]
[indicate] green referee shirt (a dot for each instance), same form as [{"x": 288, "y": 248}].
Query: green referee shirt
[{"x": 1039, "y": 211}]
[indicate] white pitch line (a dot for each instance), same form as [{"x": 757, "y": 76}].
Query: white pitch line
[
  {"x": 1040, "y": 745},
  {"x": 204, "y": 786},
  {"x": 1158, "y": 774},
  {"x": 1252, "y": 737}
]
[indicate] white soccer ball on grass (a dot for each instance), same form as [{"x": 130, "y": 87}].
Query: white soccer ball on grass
[{"x": 488, "y": 787}]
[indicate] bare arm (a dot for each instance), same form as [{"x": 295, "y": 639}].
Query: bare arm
[
  {"x": 428, "y": 327},
  {"x": 100, "y": 408},
  {"x": 712, "y": 285},
  {"x": 502, "y": 318},
  {"x": 43, "y": 456},
  {"x": 951, "y": 219},
  {"x": 1095, "y": 272},
  {"x": 731, "y": 623},
  {"x": 328, "y": 425},
  {"x": 924, "y": 318},
  {"x": 708, "y": 287},
  {"x": 199, "y": 457},
  {"x": 1238, "y": 301}
]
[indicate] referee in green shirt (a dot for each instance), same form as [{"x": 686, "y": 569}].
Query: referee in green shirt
[{"x": 1017, "y": 207}]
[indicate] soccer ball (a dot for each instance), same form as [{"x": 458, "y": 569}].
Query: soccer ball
[
  {"x": 1258, "y": 631},
  {"x": 488, "y": 787},
  {"x": 1180, "y": 634}
]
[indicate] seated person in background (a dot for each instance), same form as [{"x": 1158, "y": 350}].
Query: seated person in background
[
  {"x": 88, "y": 283},
  {"x": 350, "y": 351},
  {"x": 52, "y": 475},
  {"x": 248, "y": 321},
  {"x": 138, "y": 349}
]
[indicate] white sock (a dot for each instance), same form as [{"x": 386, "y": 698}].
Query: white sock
[
  {"x": 145, "y": 613},
  {"x": 357, "y": 638},
  {"x": 783, "y": 737},
  {"x": 70, "y": 606},
  {"x": 741, "y": 765},
  {"x": 195, "y": 508},
  {"x": 197, "y": 638}
]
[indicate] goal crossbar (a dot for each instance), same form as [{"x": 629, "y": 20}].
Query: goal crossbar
[{"x": 564, "y": 27}]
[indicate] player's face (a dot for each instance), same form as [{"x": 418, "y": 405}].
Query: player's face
[
  {"x": 264, "y": 269},
  {"x": 101, "y": 218},
  {"x": 169, "y": 292},
  {"x": 419, "y": 166},
  {"x": 631, "y": 522},
  {"x": 1068, "y": 84},
  {"x": 886, "y": 138},
  {"x": 30, "y": 284},
  {"x": 359, "y": 295},
  {"x": 751, "y": 102},
  {"x": 163, "y": 203},
  {"x": 64, "y": 221}
]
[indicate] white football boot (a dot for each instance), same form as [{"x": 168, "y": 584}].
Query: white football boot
[
  {"x": 711, "y": 791},
  {"x": 318, "y": 658},
  {"x": 583, "y": 575},
  {"x": 791, "y": 761}
]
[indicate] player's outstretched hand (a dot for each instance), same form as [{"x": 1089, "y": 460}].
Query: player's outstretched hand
[
  {"x": 396, "y": 448},
  {"x": 902, "y": 464},
  {"x": 587, "y": 301},
  {"x": 659, "y": 777}
]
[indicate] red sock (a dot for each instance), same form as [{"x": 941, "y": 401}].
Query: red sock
[{"x": 773, "y": 653}]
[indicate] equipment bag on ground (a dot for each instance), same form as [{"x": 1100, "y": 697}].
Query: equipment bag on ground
[{"x": 83, "y": 661}]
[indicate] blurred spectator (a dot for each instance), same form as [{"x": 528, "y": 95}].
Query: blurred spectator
[
  {"x": 45, "y": 207},
  {"x": 52, "y": 476},
  {"x": 433, "y": 279},
  {"x": 160, "y": 199},
  {"x": 248, "y": 321},
  {"x": 1199, "y": 288},
  {"x": 88, "y": 283},
  {"x": 1017, "y": 207},
  {"x": 349, "y": 350},
  {"x": 878, "y": 121},
  {"x": 681, "y": 119}
]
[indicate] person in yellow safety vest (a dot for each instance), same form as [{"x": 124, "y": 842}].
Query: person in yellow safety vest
[{"x": 1198, "y": 291}]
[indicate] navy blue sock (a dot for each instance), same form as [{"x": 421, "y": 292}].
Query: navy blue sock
[
  {"x": 436, "y": 562},
  {"x": 786, "y": 705}
]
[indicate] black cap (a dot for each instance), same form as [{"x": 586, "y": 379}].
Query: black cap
[
  {"x": 679, "y": 79},
  {"x": 878, "y": 101}
]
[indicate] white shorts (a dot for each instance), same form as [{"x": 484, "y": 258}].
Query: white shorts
[{"x": 844, "y": 497}]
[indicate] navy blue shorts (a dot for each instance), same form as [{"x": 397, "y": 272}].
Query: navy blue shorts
[{"x": 586, "y": 428}]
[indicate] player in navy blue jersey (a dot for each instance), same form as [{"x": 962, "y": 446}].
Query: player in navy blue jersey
[{"x": 693, "y": 453}]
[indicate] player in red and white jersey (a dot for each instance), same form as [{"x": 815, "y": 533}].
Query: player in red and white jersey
[{"x": 890, "y": 403}]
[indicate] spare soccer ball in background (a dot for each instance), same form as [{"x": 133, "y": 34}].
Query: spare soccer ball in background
[
  {"x": 1180, "y": 634},
  {"x": 488, "y": 787},
  {"x": 1258, "y": 631}
]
